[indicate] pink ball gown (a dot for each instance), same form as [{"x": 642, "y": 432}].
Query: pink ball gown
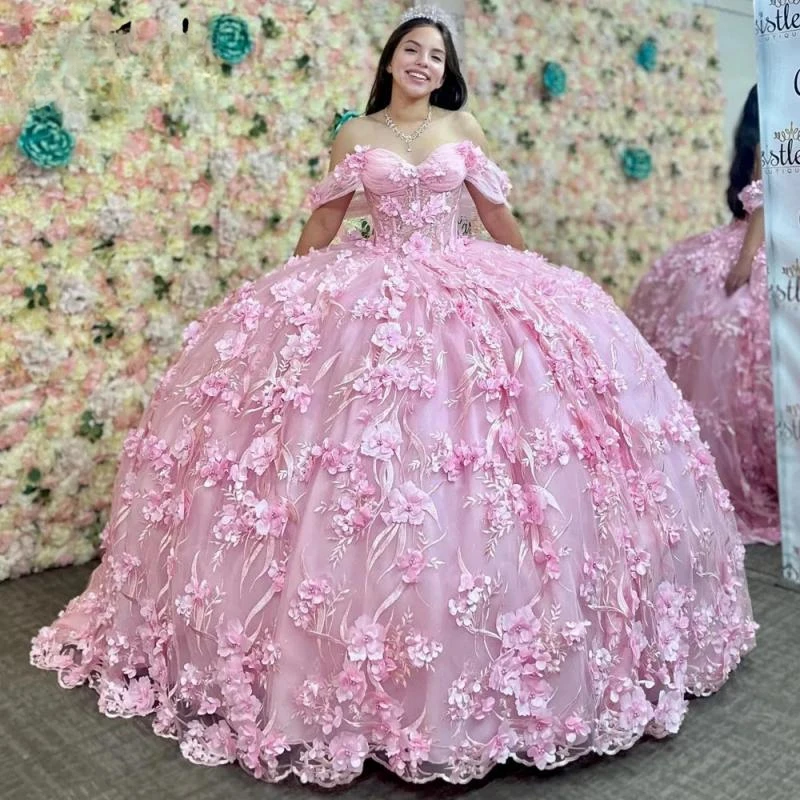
[
  {"x": 422, "y": 498},
  {"x": 717, "y": 349}
]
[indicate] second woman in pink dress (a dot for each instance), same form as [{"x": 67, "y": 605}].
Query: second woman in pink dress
[{"x": 704, "y": 307}]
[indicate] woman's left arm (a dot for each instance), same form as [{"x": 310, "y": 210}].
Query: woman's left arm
[{"x": 496, "y": 217}]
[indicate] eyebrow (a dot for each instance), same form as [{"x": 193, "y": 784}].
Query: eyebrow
[{"x": 435, "y": 49}]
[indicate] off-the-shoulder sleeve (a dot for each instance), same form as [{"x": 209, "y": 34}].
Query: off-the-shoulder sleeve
[
  {"x": 752, "y": 196},
  {"x": 343, "y": 179},
  {"x": 484, "y": 174}
]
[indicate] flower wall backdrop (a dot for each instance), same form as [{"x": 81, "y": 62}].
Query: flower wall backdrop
[
  {"x": 607, "y": 115},
  {"x": 145, "y": 174},
  {"x": 191, "y": 158}
]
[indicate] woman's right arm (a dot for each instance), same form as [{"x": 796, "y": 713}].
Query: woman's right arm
[
  {"x": 322, "y": 225},
  {"x": 753, "y": 242},
  {"x": 326, "y": 220}
]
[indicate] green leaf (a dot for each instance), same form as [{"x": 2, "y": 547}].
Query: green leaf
[
  {"x": 90, "y": 428},
  {"x": 103, "y": 330},
  {"x": 259, "y": 126},
  {"x": 161, "y": 287},
  {"x": 119, "y": 8},
  {"x": 524, "y": 140},
  {"x": 270, "y": 28}
]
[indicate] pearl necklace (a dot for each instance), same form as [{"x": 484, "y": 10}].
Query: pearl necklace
[{"x": 408, "y": 138}]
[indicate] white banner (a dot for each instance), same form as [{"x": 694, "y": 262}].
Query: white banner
[{"x": 777, "y": 25}]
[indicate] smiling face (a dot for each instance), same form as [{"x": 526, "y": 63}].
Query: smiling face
[{"x": 418, "y": 64}]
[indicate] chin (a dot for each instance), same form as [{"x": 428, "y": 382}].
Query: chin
[{"x": 418, "y": 92}]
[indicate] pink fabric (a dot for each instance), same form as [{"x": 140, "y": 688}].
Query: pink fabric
[
  {"x": 717, "y": 349},
  {"x": 346, "y": 178},
  {"x": 752, "y": 196},
  {"x": 422, "y": 499}
]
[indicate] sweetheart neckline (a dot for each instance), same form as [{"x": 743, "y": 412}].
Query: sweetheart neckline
[{"x": 424, "y": 160}]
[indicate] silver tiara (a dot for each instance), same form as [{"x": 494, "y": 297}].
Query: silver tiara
[{"x": 430, "y": 12}]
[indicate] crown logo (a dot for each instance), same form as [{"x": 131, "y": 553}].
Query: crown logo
[
  {"x": 788, "y": 134},
  {"x": 792, "y": 270}
]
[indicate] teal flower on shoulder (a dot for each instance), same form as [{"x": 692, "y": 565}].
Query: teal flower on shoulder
[
  {"x": 230, "y": 38},
  {"x": 554, "y": 79},
  {"x": 44, "y": 140},
  {"x": 637, "y": 163},
  {"x": 647, "y": 54},
  {"x": 340, "y": 119}
]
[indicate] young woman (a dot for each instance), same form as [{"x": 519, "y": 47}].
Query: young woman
[
  {"x": 704, "y": 307},
  {"x": 422, "y": 499}
]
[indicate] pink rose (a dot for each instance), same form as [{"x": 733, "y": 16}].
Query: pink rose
[
  {"x": 365, "y": 640},
  {"x": 471, "y": 154},
  {"x": 232, "y": 639},
  {"x": 348, "y": 751},
  {"x": 382, "y": 440},
  {"x": 418, "y": 247},
  {"x": 259, "y": 455},
  {"x": 408, "y": 504},
  {"x": 351, "y": 684},
  {"x": 389, "y": 337},
  {"x": 411, "y": 564},
  {"x": 576, "y": 729},
  {"x": 519, "y": 627},
  {"x": 545, "y": 556}
]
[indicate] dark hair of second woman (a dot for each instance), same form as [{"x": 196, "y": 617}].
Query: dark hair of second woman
[
  {"x": 745, "y": 142},
  {"x": 452, "y": 94}
]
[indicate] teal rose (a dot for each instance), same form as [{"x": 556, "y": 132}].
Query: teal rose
[
  {"x": 554, "y": 79},
  {"x": 341, "y": 118},
  {"x": 647, "y": 55},
  {"x": 637, "y": 163},
  {"x": 230, "y": 38},
  {"x": 43, "y": 139}
]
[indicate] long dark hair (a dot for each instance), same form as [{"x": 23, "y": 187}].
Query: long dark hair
[
  {"x": 452, "y": 94},
  {"x": 745, "y": 142}
]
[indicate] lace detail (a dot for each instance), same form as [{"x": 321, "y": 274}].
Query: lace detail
[
  {"x": 343, "y": 179},
  {"x": 484, "y": 174},
  {"x": 418, "y": 206}
]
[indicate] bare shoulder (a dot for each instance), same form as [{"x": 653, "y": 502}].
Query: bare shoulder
[
  {"x": 469, "y": 127},
  {"x": 354, "y": 132}
]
